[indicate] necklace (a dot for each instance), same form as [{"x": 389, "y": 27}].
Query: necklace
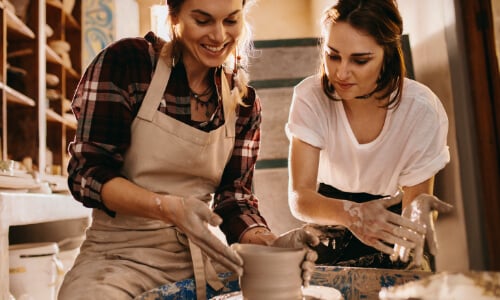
[
  {"x": 199, "y": 101},
  {"x": 198, "y": 96}
]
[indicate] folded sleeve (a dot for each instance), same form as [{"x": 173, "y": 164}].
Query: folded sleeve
[
  {"x": 304, "y": 120},
  {"x": 429, "y": 150}
]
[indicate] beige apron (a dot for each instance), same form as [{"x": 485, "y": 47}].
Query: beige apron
[{"x": 125, "y": 256}]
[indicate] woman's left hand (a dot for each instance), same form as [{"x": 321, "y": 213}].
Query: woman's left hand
[
  {"x": 300, "y": 238},
  {"x": 421, "y": 211}
]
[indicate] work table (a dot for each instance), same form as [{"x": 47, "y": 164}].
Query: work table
[{"x": 31, "y": 208}]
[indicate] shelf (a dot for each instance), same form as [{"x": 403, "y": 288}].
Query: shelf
[
  {"x": 52, "y": 116},
  {"x": 18, "y": 26},
  {"x": 72, "y": 22},
  {"x": 17, "y": 97},
  {"x": 28, "y": 126},
  {"x": 71, "y": 121},
  {"x": 30, "y": 208},
  {"x": 19, "y": 53},
  {"x": 55, "y": 3},
  {"x": 53, "y": 57}
]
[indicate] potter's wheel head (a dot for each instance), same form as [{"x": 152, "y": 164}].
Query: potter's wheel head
[{"x": 313, "y": 292}]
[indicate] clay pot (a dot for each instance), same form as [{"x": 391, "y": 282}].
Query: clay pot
[{"x": 270, "y": 273}]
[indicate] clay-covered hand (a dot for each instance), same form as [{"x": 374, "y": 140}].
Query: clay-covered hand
[
  {"x": 300, "y": 238},
  {"x": 376, "y": 226},
  {"x": 191, "y": 216},
  {"x": 420, "y": 211}
]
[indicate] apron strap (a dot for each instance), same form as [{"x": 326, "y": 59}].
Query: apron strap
[
  {"x": 204, "y": 272},
  {"x": 155, "y": 91},
  {"x": 228, "y": 105}
]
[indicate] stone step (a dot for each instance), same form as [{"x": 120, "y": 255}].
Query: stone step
[
  {"x": 278, "y": 67},
  {"x": 270, "y": 187},
  {"x": 275, "y": 108},
  {"x": 283, "y": 60}
]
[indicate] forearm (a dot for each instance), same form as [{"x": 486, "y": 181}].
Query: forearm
[
  {"x": 258, "y": 235},
  {"x": 305, "y": 202},
  {"x": 309, "y": 206},
  {"x": 124, "y": 197},
  {"x": 411, "y": 192}
]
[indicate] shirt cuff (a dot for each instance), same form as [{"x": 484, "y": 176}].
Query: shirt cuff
[
  {"x": 236, "y": 227},
  {"x": 92, "y": 189}
]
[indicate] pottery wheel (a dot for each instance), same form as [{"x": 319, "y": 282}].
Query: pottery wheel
[{"x": 310, "y": 293}]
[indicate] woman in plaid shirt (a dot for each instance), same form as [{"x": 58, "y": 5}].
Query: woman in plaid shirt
[{"x": 164, "y": 128}]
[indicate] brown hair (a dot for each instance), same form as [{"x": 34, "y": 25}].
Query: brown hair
[{"x": 381, "y": 20}]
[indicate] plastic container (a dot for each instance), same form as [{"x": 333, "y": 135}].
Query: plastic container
[
  {"x": 34, "y": 270},
  {"x": 69, "y": 249}
]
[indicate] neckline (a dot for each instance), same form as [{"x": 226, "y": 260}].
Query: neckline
[{"x": 350, "y": 132}]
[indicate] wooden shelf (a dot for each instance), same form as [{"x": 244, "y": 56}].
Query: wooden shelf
[
  {"x": 17, "y": 97},
  {"x": 71, "y": 21},
  {"x": 19, "y": 53},
  {"x": 28, "y": 127},
  {"x": 52, "y": 116},
  {"x": 55, "y": 3},
  {"x": 53, "y": 57},
  {"x": 70, "y": 120},
  {"x": 16, "y": 25}
]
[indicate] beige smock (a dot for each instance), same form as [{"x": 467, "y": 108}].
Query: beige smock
[{"x": 124, "y": 256}]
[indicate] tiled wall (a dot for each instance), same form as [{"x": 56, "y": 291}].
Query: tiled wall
[
  {"x": 98, "y": 27},
  {"x": 105, "y": 21},
  {"x": 274, "y": 77}
]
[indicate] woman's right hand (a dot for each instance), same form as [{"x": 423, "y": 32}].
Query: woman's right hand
[
  {"x": 191, "y": 215},
  {"x": 374, "y": 225}
]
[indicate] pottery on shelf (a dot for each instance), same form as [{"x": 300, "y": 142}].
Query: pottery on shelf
[{"x": 270, "y": 273}]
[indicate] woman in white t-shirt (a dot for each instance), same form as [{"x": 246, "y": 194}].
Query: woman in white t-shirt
[{"x": 372, "y": 139}]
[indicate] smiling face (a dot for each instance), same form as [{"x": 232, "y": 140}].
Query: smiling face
[
  {"x": 208, "y": 30},
  {"x": 353, "y": 60}
]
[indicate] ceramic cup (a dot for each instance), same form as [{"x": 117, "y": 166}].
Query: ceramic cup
[{"x": 270, "y": 273}]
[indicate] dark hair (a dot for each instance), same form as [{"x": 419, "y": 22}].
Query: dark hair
[{"x": 381, "y": 20}]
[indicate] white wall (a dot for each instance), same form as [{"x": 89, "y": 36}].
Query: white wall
[
  {"x": 431, "y": 64},
  {"x": 281, "y": 19},
  {"x": 127, "y": 18}
]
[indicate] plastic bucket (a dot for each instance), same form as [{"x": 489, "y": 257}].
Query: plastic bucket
[
  {"x": 33, "y": 271},
  {"x": 69, "y": 249}
]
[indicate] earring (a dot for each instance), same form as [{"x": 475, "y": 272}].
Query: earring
[
  {"x": 175, "y": 46},
  {"x": 237, "y": 66}
]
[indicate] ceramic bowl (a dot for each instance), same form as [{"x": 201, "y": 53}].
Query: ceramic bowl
[{"x": 60, "y": 46}]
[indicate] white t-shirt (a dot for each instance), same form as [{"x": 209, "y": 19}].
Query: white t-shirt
[{"x": 411, "y": 147}]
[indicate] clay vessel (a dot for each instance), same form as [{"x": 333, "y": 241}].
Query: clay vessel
[{"x": 270, "y": 273}]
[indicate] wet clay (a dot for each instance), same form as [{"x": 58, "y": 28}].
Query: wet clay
[{"x": 271, "y": 273}]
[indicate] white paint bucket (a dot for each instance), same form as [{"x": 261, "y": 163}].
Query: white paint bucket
[
  {"x": 33, "y": 271},
  {"x": 69, "y": 249}
]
